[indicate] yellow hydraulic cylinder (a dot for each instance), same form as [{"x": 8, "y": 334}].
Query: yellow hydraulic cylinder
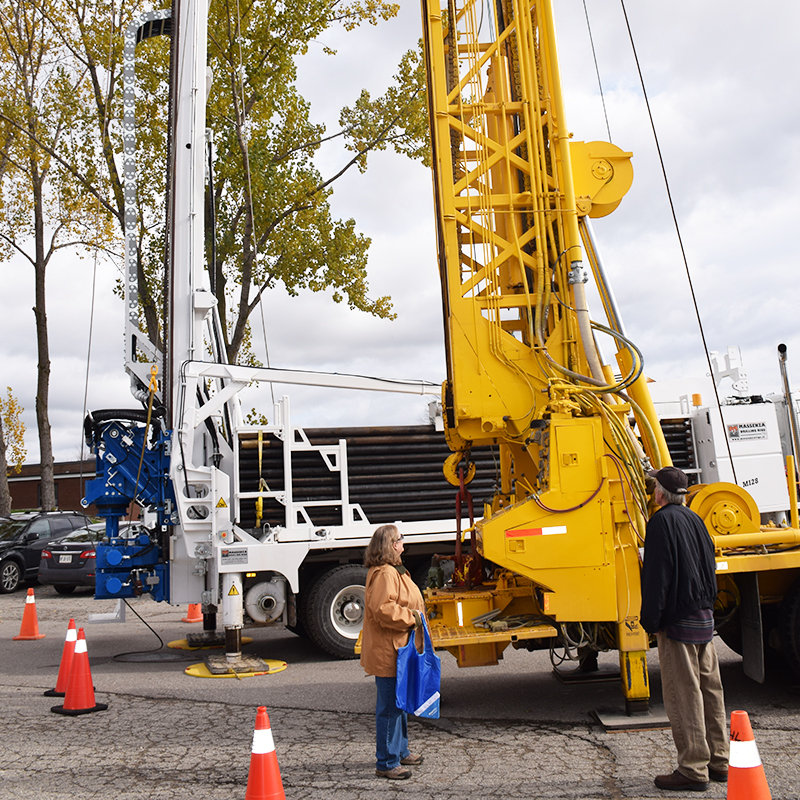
[
  {"x": 791, "y": 477},
  {"x": 640, "y": 395},
  {"x": 635, "y": 683},
  {"x": 772, "y": 536}
]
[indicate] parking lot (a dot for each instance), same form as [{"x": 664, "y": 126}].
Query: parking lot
[{"x": 510, "y": 731}]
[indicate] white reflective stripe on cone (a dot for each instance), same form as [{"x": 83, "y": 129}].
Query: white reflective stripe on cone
[
  {"x": 263, "y": 741},
  {"x": 744, "y": 755},
  {"x": 72, "y": 635},
  {"x": 80, "y": 646},
  {"x": 30, "y": 599}
]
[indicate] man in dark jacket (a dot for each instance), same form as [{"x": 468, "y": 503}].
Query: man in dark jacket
[{"x": 678, "y": 591}]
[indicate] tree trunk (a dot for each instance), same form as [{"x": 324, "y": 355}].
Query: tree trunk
[
  {"x": 5, "y": 494},
  {"x": 48, "y": 489}
]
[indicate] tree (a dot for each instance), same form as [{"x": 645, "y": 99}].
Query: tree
[
  {"x": 60, "y": 126},
  {"x": 12, "y": 446},
  {"x": 273, "y": 218},
  {"x": 272, "y": 204},
  {"x": 43, "y": 209}
]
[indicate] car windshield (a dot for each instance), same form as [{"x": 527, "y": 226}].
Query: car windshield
[
  {"x": 9, "y": 528},
  {"x": 97, "y": 532},
  {"x": 94, "y": 533}
]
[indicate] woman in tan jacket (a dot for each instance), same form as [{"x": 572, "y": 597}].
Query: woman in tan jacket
[{"x": 393, "y": 608}]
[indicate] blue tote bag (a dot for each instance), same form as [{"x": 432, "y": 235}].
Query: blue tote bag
[{"x": 419, "y": 678}]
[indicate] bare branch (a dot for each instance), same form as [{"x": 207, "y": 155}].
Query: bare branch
[{"x": 82, "y": 179}]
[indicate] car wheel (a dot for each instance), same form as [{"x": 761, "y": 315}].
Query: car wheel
[
  {"x": 63, "y": 589},
  {"x": 335, "y": 609},
  {"x": 10, "y": 576}
]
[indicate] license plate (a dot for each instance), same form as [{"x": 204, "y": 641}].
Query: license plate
[{"x": 65, "y": 559}]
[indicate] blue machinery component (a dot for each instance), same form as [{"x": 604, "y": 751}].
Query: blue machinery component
[{"x": 130, "y": 470}]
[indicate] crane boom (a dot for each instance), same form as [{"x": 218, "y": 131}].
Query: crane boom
[{"x": 524, "y": 369}]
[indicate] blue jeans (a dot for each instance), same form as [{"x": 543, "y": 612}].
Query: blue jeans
[{"x": 391, "y": 727}]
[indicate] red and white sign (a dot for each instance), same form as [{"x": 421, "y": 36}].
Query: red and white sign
[{"x": 551, "y": 531}]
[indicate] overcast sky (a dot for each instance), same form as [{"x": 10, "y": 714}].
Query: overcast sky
[{"x": 722, "y": 81}]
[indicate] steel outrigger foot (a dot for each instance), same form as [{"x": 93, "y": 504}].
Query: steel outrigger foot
[{"x": 612, "y": 721}]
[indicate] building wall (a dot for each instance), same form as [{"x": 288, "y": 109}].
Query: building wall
[{"x": 70, "y": 481}]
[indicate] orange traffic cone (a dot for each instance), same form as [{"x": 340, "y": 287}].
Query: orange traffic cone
[
  {"x": 746, "y": 778},
  {"x": 264, "y": 781},
  {"x": 194, "y": 614},
  {"x": 30, "y": 623},
  {"x": 79, "y": 698},
  {"x": 66, "y": 663}
]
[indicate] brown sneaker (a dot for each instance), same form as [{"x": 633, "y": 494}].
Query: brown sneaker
[
  {"x": 716, "y": 775},
  {"x": 412, "y": 760},
  {"x": 397, "y": 774},
  {"x": 678, "y": 782}
]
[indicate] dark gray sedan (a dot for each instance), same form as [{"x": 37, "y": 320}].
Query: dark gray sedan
[{"x": 70, "y": 562}]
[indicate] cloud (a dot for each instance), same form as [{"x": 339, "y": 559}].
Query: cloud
[{"x": 722, "y": 93}]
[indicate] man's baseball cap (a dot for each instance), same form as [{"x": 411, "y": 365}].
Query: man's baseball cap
[{"x": 672, "y": 479}]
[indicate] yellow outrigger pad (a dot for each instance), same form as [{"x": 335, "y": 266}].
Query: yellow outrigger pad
[
  {"x": 202, "y": 671},
  {"x": 183, "y": 644}
]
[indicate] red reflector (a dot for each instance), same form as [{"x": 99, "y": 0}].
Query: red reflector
[
  {"x": 87, "y": 554},
  {"x": 46, "y": 554}
]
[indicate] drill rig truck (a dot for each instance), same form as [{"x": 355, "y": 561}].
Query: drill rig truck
[
  {"x": 555, "y": 558},
  {"x": 514, "y": 197}
]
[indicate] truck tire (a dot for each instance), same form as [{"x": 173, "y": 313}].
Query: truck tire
[
  {"x": 335, "y": 609},
  {"x": 790, "y": 626},
  {"x": 731, "y": 633},
  {"x": 300, "y": 612},
  {"x": 10, "y": 576}
]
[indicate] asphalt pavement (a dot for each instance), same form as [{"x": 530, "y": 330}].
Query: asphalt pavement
[{"x": 508, "y": 731}]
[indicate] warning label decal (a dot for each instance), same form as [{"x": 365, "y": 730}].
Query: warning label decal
[
  {"x": 234, "y": 555},
  {"x": 742, "y": 431}
]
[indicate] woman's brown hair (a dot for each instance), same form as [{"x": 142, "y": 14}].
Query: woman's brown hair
[{"x": 380, "y": 549}]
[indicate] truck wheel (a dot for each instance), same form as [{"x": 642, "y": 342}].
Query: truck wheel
[
  {"x": 10, "y": 576},
  {"x": 300, "y": 612},
  {"x": 731, "y": 633},
  {"x": 335, "y": 609},
  {"x": 790, "y": 626}
]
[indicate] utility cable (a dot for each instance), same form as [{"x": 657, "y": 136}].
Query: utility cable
[
  {"x": 120, "y": 656},
  {"x": 680, "y": 238},
  {"x": 266, "y": 346},
  {"x": 597, "y": 69},
  {"x": 245, "y": 139},
  {"x": 164, "y": 655},
  {"x": 107, "y": 103},
  {"x": 88, "y": 364}
]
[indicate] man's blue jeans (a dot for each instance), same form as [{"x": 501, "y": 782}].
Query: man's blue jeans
[{"x": 391, "y": 727}]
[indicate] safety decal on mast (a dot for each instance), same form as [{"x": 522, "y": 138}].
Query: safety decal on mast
[
  {"x": 222, "y": 503},
  {"x": 234, "y": 592},
  {"x": 551, "y": 531}
]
